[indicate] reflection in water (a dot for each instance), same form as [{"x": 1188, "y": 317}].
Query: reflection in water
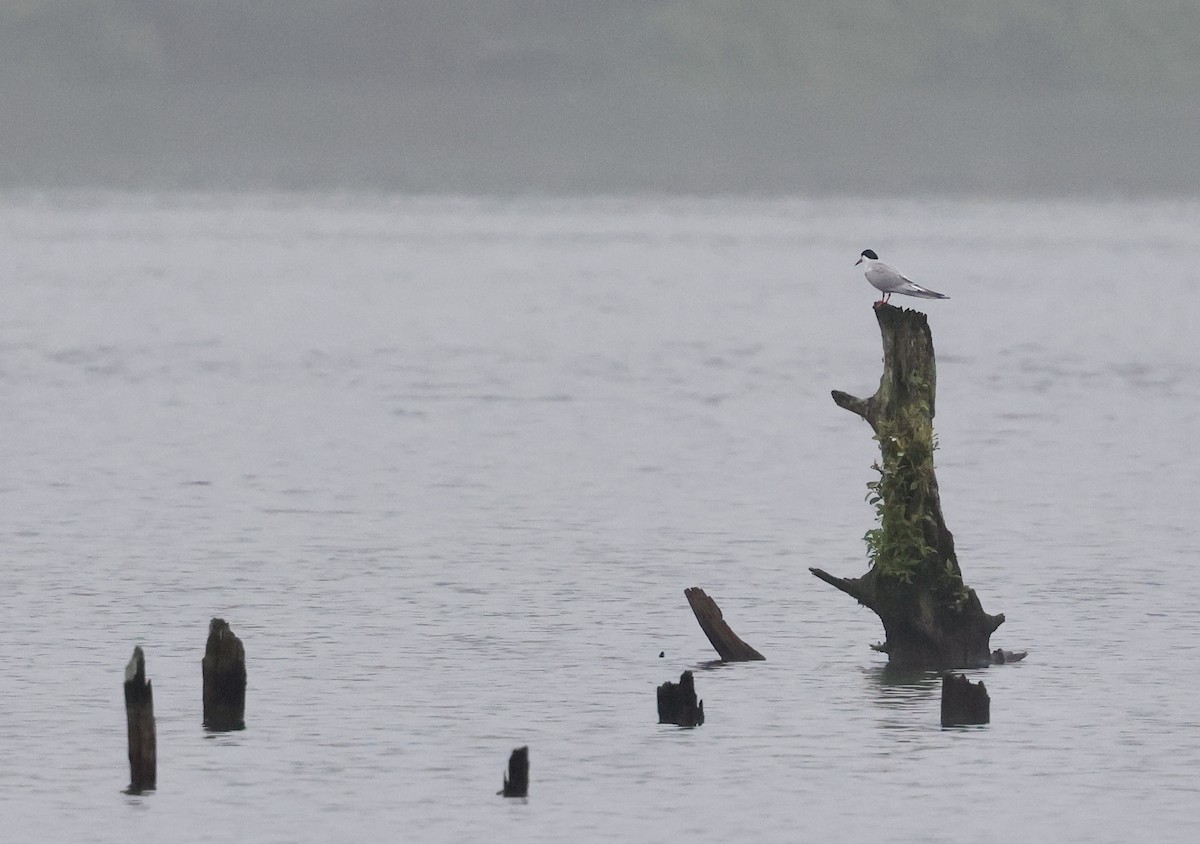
[
  {"x": 898, "y": 684},
  {"x": 906, "y": 699}
]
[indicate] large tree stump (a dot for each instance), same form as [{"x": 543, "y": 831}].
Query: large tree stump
[
  {"x": 677, "y": 703},
  {"x": 712, "y": 622},
  {"x": 224, "y": 670},
  {"x": 139, "y": 719},
  {"x": 931, "y": 618}
]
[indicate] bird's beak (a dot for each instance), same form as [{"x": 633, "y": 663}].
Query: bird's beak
[{"x": 859, "y": 261}]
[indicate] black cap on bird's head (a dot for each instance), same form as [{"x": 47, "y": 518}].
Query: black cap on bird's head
[{"x": 869, "y": 254}]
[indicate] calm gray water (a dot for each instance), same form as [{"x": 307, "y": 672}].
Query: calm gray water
[{"x": 447, "y": 465}]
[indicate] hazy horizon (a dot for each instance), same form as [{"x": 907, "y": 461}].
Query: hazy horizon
[{"x": 534, "y": 96}]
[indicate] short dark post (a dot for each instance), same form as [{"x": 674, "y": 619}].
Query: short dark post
[
  {"x": 224, "y": 668},
  {"x": 516, "y": 781},
  {"x": 964, "y": 702},
  {"x": 139, "y": 717},
  {"x": 677, "y": 703}
]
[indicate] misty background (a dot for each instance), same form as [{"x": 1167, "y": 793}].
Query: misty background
[{"x": 515, "y": 96}]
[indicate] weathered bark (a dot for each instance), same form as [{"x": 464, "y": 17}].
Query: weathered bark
[
  {"x": 139, "y": 721},
  {"x": 224, "y": 670},
  {"x": 516, "y": 781},
  {"x": 712, "y": 622},
  {"x": 677, "y": 703},
  {"x": 964, "y": 702},
  {"x": 930, "y": 617}
]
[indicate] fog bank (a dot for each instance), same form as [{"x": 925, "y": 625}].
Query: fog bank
[{"x": 608, "y": 95}]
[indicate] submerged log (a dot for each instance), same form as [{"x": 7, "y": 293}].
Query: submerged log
[
  {"x": 931, "y": 618},
  {"x": 964, "y": 702},
  {"x": 712, "y": 622},
  {"x": 1001, "y": 657},
  {"x": 224, "y": 670},
  {"x": 139, "y": 719},
  {"x": 677, "y": 703},
  {"x": 516, "y": 781}
]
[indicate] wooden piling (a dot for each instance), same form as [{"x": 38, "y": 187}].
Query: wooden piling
[
  {"x": 139, "y": 718},
  {"x": 224, "y": 669},
  {"x": 712, "y": 622},
  {"x": 677, "y": 703},
  {"x": 516, "y": 781},
  {"x": 964, "y": 702}
]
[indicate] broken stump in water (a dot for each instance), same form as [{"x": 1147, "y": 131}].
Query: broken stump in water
[
  {"x": 712, "y": 621},
  {"x": 139, "y": 718},
  {"x": 932, "y": 619},
  {"x": 1003, "y": 657},
  {"x": 677, "y": 703},
  {"x": 516, "y": 781},
  {"x": 224, "y": 669},
  {"x": 964, "y": 702}
]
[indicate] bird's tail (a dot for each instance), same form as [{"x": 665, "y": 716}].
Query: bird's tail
[{"x": 923, "y": 293}]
